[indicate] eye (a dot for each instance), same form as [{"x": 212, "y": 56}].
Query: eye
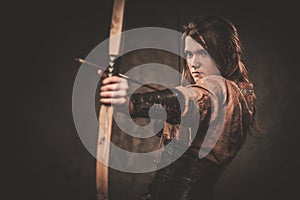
[
  {"x": 203, "y": 52},
  {"x": 188, "y": 54}
]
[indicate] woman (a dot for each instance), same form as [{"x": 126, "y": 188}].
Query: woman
[{"x": 218, "y": 81}]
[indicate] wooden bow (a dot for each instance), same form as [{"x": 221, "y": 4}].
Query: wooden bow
[{"x": 106, "y": 111}]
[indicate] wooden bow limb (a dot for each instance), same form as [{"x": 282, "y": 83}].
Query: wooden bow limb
[{"x": 106, "y": 111}]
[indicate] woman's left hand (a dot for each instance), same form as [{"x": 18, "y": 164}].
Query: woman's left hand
[{"x": 114, "y": 90}]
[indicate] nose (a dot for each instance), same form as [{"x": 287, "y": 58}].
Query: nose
[
  {"x": 195, "y": 66},
  {"x": 195, "y": 62}
]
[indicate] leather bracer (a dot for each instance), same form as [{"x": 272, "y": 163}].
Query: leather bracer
[{"x": 167, "y": 99}]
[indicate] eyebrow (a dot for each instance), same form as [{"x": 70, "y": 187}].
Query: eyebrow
[
  {"x": 199, "y": 51},
  {"x": 202, "y": 50}
]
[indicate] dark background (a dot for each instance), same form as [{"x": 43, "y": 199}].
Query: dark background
[{"x": 43, "y": 157}]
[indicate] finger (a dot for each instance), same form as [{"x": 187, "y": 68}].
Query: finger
[
  {"x": 101, "y": 73},
  {"x": 113, "y": 94},
  {"x": 111, "y": 79},
  {"x": 114, "y": 79},
  {"x": 114, "y": 87},
  {"x": 114, "y": 101},
  {"x": 118, "y": 101}
]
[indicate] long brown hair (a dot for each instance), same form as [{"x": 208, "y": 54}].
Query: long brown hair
[{"x": 219, "y": 37}]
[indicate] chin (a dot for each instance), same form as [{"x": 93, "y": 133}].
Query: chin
[{"x": 196, "y": 79}]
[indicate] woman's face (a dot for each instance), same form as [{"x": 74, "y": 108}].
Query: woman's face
[{"x": 198, "y": 60}]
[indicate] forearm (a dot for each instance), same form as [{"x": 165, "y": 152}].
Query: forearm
[{"x": 140, "y": 104}]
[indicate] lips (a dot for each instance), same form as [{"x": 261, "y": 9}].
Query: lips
[{"x": 197, "y": 74}]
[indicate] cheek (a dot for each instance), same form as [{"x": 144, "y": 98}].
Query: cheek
[
  {"x": 212, "y": 68},
  {"x": 215, "y": 70},
  {"x": 188, "y": 61}
]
